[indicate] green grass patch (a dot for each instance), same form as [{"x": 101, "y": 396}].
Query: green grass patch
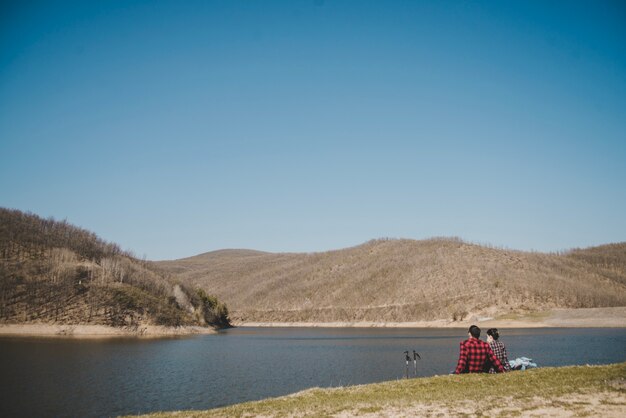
[{"x": 449, "y": 391}]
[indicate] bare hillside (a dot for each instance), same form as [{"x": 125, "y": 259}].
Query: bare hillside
[
  {"x": 55, "y": 273},
  {"x": 405, "y": 280}
]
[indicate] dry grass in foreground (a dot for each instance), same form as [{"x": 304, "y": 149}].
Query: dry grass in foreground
[{"x": 566, "y": 391}]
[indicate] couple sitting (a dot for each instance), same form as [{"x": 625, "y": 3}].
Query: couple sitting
[{"x": 477, "y": 356}]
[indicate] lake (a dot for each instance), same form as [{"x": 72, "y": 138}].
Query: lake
[{"x": 60, "y": 377}]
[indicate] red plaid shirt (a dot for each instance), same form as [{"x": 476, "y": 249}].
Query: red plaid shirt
[{"x": 476, "y": 357}]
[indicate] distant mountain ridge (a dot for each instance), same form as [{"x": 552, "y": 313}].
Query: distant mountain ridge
[
  {"x": 405, "y": 280},
  {"x": 55, "y": 273}
]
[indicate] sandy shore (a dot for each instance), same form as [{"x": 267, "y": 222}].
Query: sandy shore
[
  {"x": 419, "y": 324},
  {"x": 98, "y": 331},
  {"x": 557, "y": 318}
]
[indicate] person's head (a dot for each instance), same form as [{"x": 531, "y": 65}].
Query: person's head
[
  {"x": 474, "y": 331},
  {"x": 493, "y": 333}
]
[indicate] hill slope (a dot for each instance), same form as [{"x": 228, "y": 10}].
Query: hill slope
[
  {"x": 55, "y": 273},
  {"x": 405, "y": 280}
]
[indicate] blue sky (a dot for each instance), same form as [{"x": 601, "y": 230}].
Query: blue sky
[{"x": 175, "y": 128}]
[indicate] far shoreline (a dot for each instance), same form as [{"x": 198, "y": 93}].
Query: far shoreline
[
  {"x": 614, "y": 317},
  {"x": 432, "y": 324},
  {"x": 82, "y": 331}
]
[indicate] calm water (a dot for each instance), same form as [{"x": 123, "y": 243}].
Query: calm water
[{"x": 56, "y": 377}]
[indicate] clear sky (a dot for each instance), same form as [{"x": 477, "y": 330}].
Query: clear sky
[{"x": 179, "y": 127}]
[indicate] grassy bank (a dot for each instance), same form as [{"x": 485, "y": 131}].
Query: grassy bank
[{"x": 566, "y": 391}]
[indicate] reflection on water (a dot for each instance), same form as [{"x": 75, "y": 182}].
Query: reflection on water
[{"x": 56, "y": 377}]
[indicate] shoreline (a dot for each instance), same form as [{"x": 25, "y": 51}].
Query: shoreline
[
  {"x": 418, "y": 324},
  {"x": 99, "y": 331},
  {"x": 614, "y": 317}
]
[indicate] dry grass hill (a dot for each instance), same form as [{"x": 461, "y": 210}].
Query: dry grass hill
[
  {"x": 405, "y": 280},
  {"x": 57, "y": 274}
]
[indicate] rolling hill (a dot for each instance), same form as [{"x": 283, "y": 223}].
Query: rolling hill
[
  {"x": 405, "y": 281},
  {"x": 55, "y": 273}
]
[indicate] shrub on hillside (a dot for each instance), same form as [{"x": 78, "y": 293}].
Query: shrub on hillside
[{"x": 213, "y": 311}]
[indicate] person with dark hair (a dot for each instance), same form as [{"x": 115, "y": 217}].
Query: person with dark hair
[
  {"x": 476, "y": 356},
  {"x": 498, "y": 349}
]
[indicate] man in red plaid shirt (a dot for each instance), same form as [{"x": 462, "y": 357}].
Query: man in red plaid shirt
[{"x": 476, "y": 355}]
